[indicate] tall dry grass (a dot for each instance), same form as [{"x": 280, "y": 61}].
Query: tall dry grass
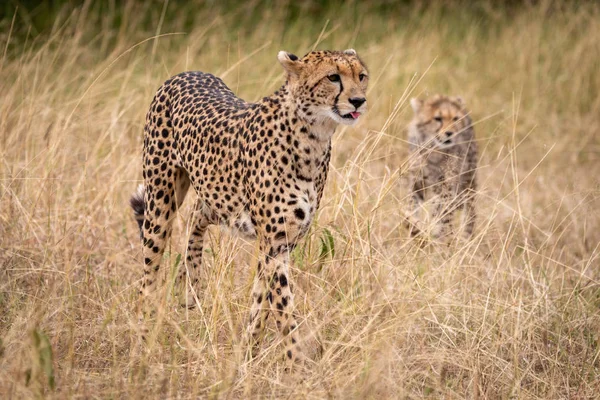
[{"x": 514, "y": 312}]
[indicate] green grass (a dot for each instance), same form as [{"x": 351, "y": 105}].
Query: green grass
[{"x": 514, "y": 312}]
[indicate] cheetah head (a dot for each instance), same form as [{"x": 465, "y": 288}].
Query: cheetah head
[
  {"x": 440, "y": 120},
  {"x": 327, "y": 85}
]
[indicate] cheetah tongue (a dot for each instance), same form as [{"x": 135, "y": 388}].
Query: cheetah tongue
[{"x": 355, "y": 115}]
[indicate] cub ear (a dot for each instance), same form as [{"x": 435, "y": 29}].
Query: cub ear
[
  {"x": 350, "y": 52},
  {"x": 290, "y": 62},
  {"x": 458, "y": 100},
  {"x": 416, "y": 104}
]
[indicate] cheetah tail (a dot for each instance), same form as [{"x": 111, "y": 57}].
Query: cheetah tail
[{"x": 137, "y": 203}]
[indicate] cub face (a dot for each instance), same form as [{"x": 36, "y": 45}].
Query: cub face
[
  {"x": 440, "y": 120},
  {"x": 328, "y": 85}
]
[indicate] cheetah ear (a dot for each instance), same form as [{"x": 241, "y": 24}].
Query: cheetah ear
[
  {"x": 459, "y": 101},
  {"x": 350, "y": 52},
  {"x": 416, "y": 104},
  {"x": 289, "y": 62}
]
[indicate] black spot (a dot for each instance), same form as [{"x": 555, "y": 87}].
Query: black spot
[
  {"x": 299, "y": 213},
  {"x": 279, "y": 235},
  {"x": 283, "y": 280}
]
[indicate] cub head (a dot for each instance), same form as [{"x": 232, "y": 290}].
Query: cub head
[
  {"x": 327, "y": 85},
  {"x": 441, "y": 120}
]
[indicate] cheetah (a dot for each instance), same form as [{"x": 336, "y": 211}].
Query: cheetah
[
  {"x": 257, "y": 168},
  {"x": 443, "y": 161}
]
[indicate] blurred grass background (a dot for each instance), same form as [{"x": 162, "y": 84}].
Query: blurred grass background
[{"x": 511, "y": 313}]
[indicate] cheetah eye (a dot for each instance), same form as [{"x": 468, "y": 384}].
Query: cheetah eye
[
  {"x": 455, "y": 119},
  {"x": 438, "y": 119},
  {"x": 362, "y": 77},
  {"x": 334, "y": 78}
]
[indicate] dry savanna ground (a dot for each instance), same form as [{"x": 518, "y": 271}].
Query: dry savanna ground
[{"x": 513, "y": 312}]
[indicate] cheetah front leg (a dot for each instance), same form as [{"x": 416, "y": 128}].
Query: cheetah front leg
[
  {"x": 259, "y": 312},
  {"x": 443, "y": 211},
  {"x": 281, "y": 300},
  {"x": 272, "y": 291},
  {"x": 469, "y": 214}
]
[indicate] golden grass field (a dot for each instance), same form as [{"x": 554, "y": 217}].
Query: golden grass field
[{"x": 512, "y": 313}]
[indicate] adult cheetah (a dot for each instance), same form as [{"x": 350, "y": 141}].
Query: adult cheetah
[
  {"x": 258, "y": 168},
  {"x": 443, "y": 161}
]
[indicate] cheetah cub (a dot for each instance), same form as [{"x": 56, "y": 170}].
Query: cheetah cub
[
  {"x": 443, "y": 161},
  {"x": 257, "y": 168}
]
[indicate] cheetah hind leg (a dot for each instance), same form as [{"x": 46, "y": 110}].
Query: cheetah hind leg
[
  {"x": 189, "y": 273},
  {"x": 154, "y": 208},
  {"x": 413, "y": 221},
  {"x": 187, "y": 281}
]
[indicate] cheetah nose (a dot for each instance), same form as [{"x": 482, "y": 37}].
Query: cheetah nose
[
  {"x": 449, "y": 133},
  {"x": 357, "y": 101}
]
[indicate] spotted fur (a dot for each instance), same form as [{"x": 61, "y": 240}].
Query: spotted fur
[
  {"x": 258, "y": 168},
  {"x": 443, "y": 156}
]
